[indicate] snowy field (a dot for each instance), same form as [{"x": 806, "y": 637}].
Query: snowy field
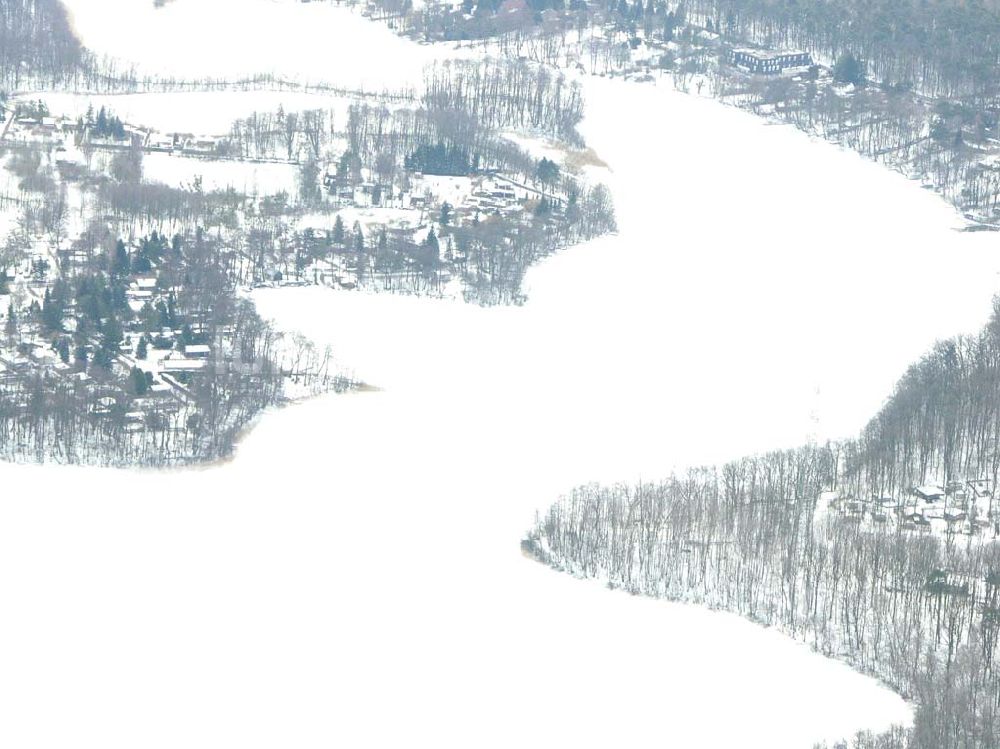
[
  {"x": 353, "y": 578},
  {"x": 243, "y": 176}
]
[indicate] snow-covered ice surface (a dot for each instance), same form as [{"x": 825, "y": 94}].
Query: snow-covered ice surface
[
  {"x": 765, "y": 287},
  {"x": 316, "y": 42},
  {"x": 352, "y": 577}
]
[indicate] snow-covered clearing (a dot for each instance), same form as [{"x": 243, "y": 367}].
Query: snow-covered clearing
[
  {"x": 247, "y": 177},
  {"x": 369, "y": 217},
  {"x": 352, "y": 577}
]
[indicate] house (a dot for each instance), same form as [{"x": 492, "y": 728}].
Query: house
[
  {"x": 914, "y": 519},
  {"x": 853, "y": 509},
  {"x": 103, "y": 406},
  {"x": 929, "y": 493},
  {"x": 767, "y": 62},
  {"x": 503, "y": 191},
  {"x": 201, "y": 146},
  {"x": 955, "y": 515},
  {"x": 38, "y": 129},
  {"x": 69, "y": 156},
  {"x": 945, "y": 582},
  {"x": 197, "y": 351},
  {"x": 182, "y": 364},
  {"x": 158, "y": 142},
  {"x": 879, "y": 514},
  {"x": 139, "y": 294}
]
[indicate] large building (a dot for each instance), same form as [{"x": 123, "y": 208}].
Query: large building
[{"x": 767, "y": 62}]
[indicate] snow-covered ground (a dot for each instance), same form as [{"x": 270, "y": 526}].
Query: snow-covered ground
[
  {"x": 352, "y": 577},
  {"x": 198, "y": 112},
  {"x": 247, "y": 177}
]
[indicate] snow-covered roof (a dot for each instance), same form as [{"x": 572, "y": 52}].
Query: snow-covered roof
[
  {"x": 768, "y": 54},
  {"x": 180, "y": 364}
]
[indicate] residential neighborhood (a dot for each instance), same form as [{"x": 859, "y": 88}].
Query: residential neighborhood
[{"x": 956, "y": 508}]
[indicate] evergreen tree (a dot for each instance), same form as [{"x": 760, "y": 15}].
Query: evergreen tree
[
  {"x": 432, "y": 245},
  {"x": 137, "y": 381},
  {"x": 359, "y": 238},
  {"x": 547, "y": 172},
  {"x": 120, "y": 264},
  {"x": 338, "y": 230},
  {"x": 10, "y": 327},
  {"x": 848, "y": 70},
  {"x": 142, "y": 350},
  {"x": 62, "y": 348},
  {"x": 52, "y": 312},
  {"x": 439, "y": 159},
  {"x": 111, "y": 339}
]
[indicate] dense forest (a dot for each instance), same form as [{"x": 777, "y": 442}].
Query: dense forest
[{"x": 916, "y": 609}]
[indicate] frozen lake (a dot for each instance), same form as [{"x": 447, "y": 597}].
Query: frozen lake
[
  {"x": 233, "y": 39},
  {"x": 353, "y": 578}
]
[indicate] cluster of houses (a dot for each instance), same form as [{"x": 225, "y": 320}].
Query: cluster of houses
[
  {"x": 165, "y": 359},
  {"x": 493, "y": 195},
  {"x": 65, "y": 133},
  {"x": 956, "y": 507},
  {"x": 488, "y": 193}
]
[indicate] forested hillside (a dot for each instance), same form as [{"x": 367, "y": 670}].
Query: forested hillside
[
  {"x": 36, "y": 42},
  {"x": 917, "y": 609},
  {"x": 943, "y": 48},
  {"x": 913, "y": 85},
  {"x": 942, "y": 421}
]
